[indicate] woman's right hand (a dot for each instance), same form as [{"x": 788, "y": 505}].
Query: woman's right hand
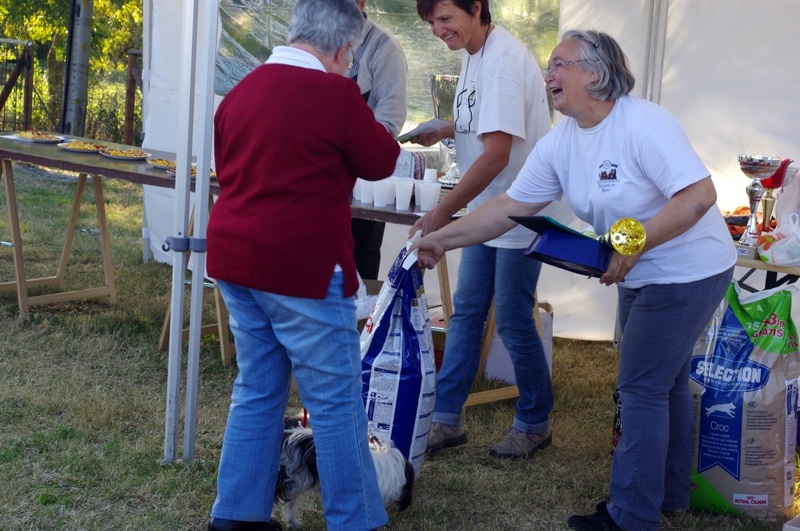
[{"x": 431, "y": 137}]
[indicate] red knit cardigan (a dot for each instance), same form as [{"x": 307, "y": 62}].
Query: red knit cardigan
[{"x": 289, "y": 143}]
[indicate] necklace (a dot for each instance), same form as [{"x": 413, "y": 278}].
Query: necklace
[
  {"x": 483, "y": 47},
  {"x": 485, "y": 38}
]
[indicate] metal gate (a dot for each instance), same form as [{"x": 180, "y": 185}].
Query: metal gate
[{"x": 16, "y": 76}]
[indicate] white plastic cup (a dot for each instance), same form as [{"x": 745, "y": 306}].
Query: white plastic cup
[
  {"x": 417, "y": 192},
  {"x": 367, "y": 191},
  {"x": 430, "y": 196},
  {"x": 403, "y": 189},
  {"x": 431, "y": 175},
  {"x": 357, "y": 190},
  {"x": 381, "y": 193},
  {"x": 390, "y": 195}
]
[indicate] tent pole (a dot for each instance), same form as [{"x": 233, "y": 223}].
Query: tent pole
[
  {"x": 147, "y": 37},
  {"x": 207, "y": 62},
  {"x": 179, "y": 242},
  {"x": 654, "y": 36}
]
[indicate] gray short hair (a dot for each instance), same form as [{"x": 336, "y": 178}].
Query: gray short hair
[
  {"x": 325, "y": 24},
  {"x": 602, "y": 55}
]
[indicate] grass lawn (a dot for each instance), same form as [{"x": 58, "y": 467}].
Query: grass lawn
[{"x": 83, "y": 389}]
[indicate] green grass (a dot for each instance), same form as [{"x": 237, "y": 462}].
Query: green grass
[{"x": 82, "y": 405}]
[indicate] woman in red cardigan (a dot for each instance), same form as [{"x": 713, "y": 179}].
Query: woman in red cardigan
[{"x": 289, "y": 140}]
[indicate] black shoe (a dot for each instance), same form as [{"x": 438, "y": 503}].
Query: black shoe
[
  {"x": 599, "y": 521},
  {"x": 218, "y": 524}
]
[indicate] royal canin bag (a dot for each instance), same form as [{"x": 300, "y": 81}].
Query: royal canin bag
[
  {"x": 743, "y": 380},
  {"x": 398, "y": 372}
]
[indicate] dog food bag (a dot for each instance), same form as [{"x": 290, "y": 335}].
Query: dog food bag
[
  {"x": 398, "y": 371},
  {"x": 743, "y": 379}
]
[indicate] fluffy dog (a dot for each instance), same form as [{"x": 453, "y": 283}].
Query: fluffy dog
[{"x": 298, "y": 472}]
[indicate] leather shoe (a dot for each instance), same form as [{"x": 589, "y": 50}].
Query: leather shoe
[
  {"x": 218, "y": 524},
  {"x": 598, "y": 521}
]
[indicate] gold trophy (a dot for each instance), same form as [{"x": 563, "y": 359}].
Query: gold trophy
[{"x": 626, "y": 236}]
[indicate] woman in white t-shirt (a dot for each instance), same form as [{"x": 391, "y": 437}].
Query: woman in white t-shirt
[
  {"x": 619, "y": 156},
  {"x": 500, "y": 112}
]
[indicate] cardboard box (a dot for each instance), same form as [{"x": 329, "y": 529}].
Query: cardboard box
[
  {"x": 792, "y": 525},
  {"x": 498, "y": 363},
  {"x": 439, "y": 334}
]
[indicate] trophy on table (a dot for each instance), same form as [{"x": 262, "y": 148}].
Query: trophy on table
[
  {"x": 758, "y": 168},
  {"x": 443, "y": 91},
  {"x": 773, "y": 182}
]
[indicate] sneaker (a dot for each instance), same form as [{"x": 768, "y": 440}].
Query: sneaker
[
  {"x": 519, "y": 445},
  {"x": 599, "y": 521},
  {"x": 445, "y": 436}
]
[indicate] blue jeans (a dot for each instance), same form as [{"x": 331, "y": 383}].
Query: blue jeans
[
  {"x": 652, "y": 462},
  {"x": 318, "y": 340},
  {"x": 510, "y": 277}
]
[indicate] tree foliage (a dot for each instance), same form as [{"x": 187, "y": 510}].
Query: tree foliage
[{"x": 116, "y": 28}]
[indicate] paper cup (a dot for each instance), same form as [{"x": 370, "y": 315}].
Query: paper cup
[
  {"x": 357, "y": 190},
  {"x": 367, "y": 191},
  {"x": 381, "y": 193},
  {"x": 403, "y": 189},
  {"x": 430, "y": 196},
  {"x": 431, "y": 176}
]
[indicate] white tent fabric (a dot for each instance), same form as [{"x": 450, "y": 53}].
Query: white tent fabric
[
  {"x": 725, "y": 68},
  {"x": 731, "y": 83}
]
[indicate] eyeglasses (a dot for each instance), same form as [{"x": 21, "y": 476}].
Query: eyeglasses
[
  {"x": 459, "y": 126},
  {"x": 555, "y": 65}
]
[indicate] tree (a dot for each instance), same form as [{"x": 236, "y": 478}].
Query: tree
[
  {"x": 116, "y": 29},
  {"x": 76, "y": 87}
]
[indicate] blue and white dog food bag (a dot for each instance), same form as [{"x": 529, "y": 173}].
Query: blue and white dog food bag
[
  {"x": 397, "y": 363},
  {"x": 744, "y": 383}
]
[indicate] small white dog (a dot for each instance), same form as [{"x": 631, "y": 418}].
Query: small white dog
[{"x": 298, "y": 472}]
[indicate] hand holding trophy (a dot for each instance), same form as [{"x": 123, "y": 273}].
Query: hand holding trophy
[{"x": 581, "y": 252}]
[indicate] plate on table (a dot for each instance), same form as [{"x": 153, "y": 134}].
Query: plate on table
[
  {"x": 124, "y": 154},
  {"x": 161, "y": 164},
  {"x": 212, "y": 174},
  {"x": 39, "y": 137},
  {"x": 78, "y": 146}
]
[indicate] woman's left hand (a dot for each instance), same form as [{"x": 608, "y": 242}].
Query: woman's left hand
[{"x": 618, "y": 266}]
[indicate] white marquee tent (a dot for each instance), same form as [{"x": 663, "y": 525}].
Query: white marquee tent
[{"x": 726, "y": 68}]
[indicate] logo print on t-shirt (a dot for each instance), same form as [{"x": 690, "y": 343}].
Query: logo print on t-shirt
[{"x": 607, "y": 176}]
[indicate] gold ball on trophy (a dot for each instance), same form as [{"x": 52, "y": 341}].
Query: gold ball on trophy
[{"x": 626, "y": 236}]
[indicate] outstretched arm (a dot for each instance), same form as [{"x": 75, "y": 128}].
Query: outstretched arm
[{"x": 487, "y": 222}]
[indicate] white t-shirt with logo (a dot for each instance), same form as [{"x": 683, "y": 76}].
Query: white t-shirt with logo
[
  {"x": 629, "y": 165},
  {"x": 500, "y": 89}
]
